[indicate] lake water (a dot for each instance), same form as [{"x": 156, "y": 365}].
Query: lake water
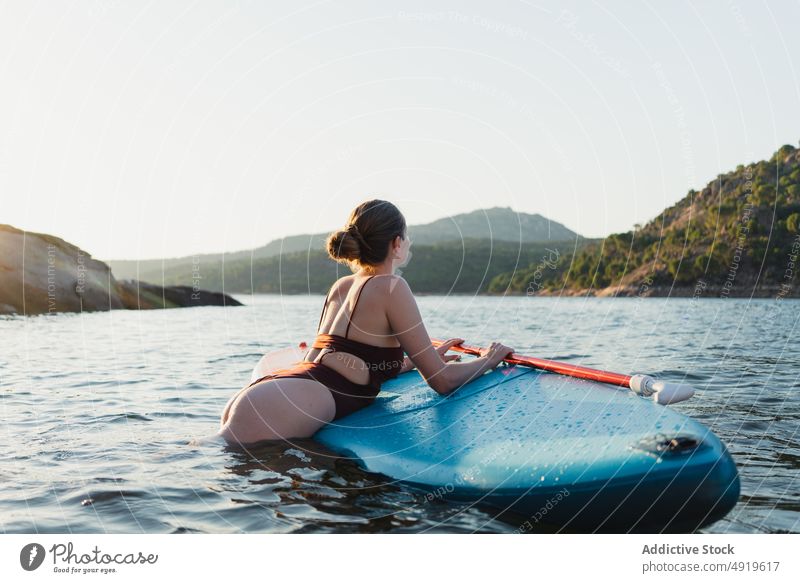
[{"x": 98, "y": 409}]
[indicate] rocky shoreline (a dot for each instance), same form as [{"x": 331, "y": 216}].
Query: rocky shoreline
[
  {"x": 774, "y": 292},
  {"x": 147, "y": 296},
  {"x": 41, "y": 274}
]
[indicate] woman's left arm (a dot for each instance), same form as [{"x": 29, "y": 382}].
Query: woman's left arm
[{"x": 408, "y": 364}]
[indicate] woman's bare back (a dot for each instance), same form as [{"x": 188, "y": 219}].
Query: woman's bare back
[{"x": 369, "y": 323}]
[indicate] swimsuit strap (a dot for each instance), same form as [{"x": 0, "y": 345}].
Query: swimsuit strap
[
  {"x": 324, "y": 308},
  {"x": 350, "y": 317}
]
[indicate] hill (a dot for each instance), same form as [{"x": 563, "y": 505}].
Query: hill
[
  {"x": 451, "y": 267},
  {"x": 497, "y": 224},
  {"x": 43, "y": 274},
  {"x": 738, "y": 236}
]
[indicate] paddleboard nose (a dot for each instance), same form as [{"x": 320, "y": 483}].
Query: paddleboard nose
[
  {"x": 720, "y": 490},
  {"x": 705, "y": 485}
]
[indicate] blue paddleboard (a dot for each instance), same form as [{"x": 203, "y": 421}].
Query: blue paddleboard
[{"x": 553, "y": 451}]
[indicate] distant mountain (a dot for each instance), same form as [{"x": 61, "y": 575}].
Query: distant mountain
[
  {"x": 464, "y": 267},
  {"x": 497, "y": 224},
  {"x": 738, "y": 236}
]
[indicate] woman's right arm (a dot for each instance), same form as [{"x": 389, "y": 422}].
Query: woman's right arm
[{"x": 406, "y": 322}]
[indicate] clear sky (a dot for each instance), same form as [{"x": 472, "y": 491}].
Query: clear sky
[{"x": 142, "y": 129}]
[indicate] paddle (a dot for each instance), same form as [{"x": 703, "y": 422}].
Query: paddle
[{"x": 644, "y": 385}]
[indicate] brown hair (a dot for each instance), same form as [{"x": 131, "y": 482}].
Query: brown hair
[{"x": 365, "y": 240}]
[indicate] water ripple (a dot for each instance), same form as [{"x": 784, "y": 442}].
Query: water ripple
[{"x": 99, "y": 427}]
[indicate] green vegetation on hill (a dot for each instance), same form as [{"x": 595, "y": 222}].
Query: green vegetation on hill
[
  {"x": 738, "y": 235},
  {"x": 452, "y": 267},
  {"x": 496, "y": 223}
]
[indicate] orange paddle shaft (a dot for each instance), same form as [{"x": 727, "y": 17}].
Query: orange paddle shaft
[{"x": 573, "y": 370}]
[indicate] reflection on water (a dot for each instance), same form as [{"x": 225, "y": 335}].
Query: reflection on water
[{"x": 99, "y": 409}]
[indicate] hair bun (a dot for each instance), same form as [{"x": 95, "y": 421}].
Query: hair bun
[{"x": 344, "y": 245}]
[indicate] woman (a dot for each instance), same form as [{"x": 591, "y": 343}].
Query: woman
[{"x": 361, "y": 348}]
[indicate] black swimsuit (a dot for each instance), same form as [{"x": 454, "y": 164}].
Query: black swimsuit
[{"x": 383, "y": 363}]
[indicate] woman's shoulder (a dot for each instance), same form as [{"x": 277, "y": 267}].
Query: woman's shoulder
[{"x": 341, "y": 286}]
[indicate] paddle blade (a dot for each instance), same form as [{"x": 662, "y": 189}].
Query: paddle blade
[
  {"x": 662, "y": 392},
  {"x": 666, "y": 393}
]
